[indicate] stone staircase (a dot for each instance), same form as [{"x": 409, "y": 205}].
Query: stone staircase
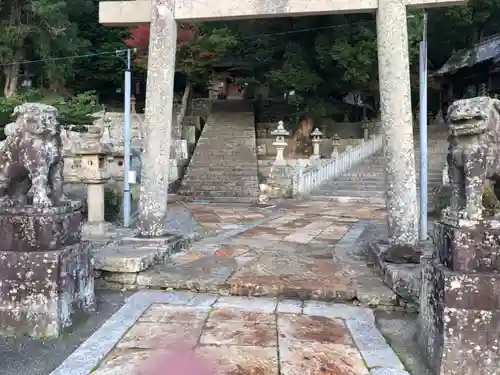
[
  {"x": 224, "y": 166},
  {"x": 366, "y": 180}
]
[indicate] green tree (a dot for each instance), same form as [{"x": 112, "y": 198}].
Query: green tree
[
  {"x": 36, "y": 29},
  {"x": 317, "y": 59},
  {"x": 198, "y": 47},
  {"x": 455, "y": 28},
  {"x": 103, "y": 70}
]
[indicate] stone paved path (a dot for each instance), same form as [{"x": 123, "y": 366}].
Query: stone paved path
[
  {"x": 219, "y": 217},
  {"x": 239, "y": 335},
  {"x": 307, "y": 250}
]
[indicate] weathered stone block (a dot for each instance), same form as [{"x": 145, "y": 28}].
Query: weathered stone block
[
  {"x": 28, "y": 229},
  {"x": 459, "y": 320},
  {"x": 40, "y": 291},
  {"x": 469, "y": 249},
  {"x": 130, "y": 255}
]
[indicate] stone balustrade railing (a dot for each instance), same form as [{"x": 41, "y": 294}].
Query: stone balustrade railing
[{"x": 325, "y": 169}]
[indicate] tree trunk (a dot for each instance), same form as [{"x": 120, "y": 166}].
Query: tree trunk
[{"x": 11, "y": 73}]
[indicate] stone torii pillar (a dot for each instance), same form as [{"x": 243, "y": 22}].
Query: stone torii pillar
[{"x": 394, "y": 77}]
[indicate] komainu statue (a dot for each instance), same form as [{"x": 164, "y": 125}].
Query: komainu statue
[
  {"x": 31, "y": 160},
  {"x": 473, "y": 156}
]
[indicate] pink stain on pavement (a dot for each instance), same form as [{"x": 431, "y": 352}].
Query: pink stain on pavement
[{"x": 178, "y": 362}]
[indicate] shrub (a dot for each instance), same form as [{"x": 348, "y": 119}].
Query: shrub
[
  {"x": 112, "y": 204},
  {"x": 7, "y": 106},
  {"x": 74, "y": 113}
]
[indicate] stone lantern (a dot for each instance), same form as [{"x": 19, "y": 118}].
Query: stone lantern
[
  {"x": 335, "y": 144},
  {"x": 280, "y": 143},
  {"x": 92, "y": 158},
  {"x": 316, "y": 140}
]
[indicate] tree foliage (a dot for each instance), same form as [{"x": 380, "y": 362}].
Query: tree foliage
[
  {"x": 102, "y": 71},
  {"x": 197, "y": 48},
  {"x": 74, "y": 113},
  {"x": 312, "y": 61},
  {"x": 455, "y": 28},
  {"x": 36, "y": 29}
]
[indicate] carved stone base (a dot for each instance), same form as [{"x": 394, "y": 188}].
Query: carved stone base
[
  {"x": 457, "y": 219},
  {"x": 460, "y": 302},
  {"x": 473, "y": 249},
  {"x": 41, "y": 291},
  {"x": 27, "y": 229}
]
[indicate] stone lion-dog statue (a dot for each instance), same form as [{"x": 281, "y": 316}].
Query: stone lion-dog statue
[
  {"x": 473, "y": 156},
  {"x": 31, "y": 159}
]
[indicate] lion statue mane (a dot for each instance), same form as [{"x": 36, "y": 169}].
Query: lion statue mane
[
  {"x": 31, "y": 159},
  {"x": 473, "y": 154}
]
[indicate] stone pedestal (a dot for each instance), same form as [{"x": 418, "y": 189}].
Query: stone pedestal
[
  {"x": 281, "y": 181},
  {"x": 177, "y": 168},
  {"x": 460, "y": 301},
  {"x": 179, "y": 149},
  {"x": 189, "y": 131},
  {"x": 45, "y": 271},
  {"x": 94, "y": 174},
  {"x": 316, "y": 140},
  {"x": 280, "y": 143}
]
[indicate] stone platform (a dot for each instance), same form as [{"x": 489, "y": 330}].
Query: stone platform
[
  {"x": 403, "y": 278},
  {"x": 307, "y": 250},
  {"x": 45, "y": 270},
  {"x": 30, "y": 229},
  {"x": 235, "y": 335},
  {"x": 121, "y": 257},
  {"x": 460, "y": 301}
]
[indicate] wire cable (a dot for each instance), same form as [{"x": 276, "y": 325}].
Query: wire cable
[{"x": 116, "y": 52}]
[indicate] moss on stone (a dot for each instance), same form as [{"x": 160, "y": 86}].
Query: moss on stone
[
  {"x": 491, "y": 203},
  {"x": 442, "y": 199},
  {"x": 112, "y": 204}
]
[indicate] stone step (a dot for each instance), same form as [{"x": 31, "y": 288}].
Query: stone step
[
  {"x": 222, "y": 178},
  {"x": 224, "y": 164},
  {"x": 228, "y": 155},
  {"x": 235, "y": 199},
  {"x": 351, "y": 193},
  {"x": 207, "y": 169},
  {"x": 379, "y": 176},
  {"x": 219, "y": 194},
  {"x": 220, "y": 188}
]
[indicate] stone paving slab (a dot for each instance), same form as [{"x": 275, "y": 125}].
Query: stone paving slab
[
  {"x": 216, "y": 218},
  {"x": 185, "y": 225},
  {"x": 239, "y": 335},
  {"x": 305, "y": 251}
]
